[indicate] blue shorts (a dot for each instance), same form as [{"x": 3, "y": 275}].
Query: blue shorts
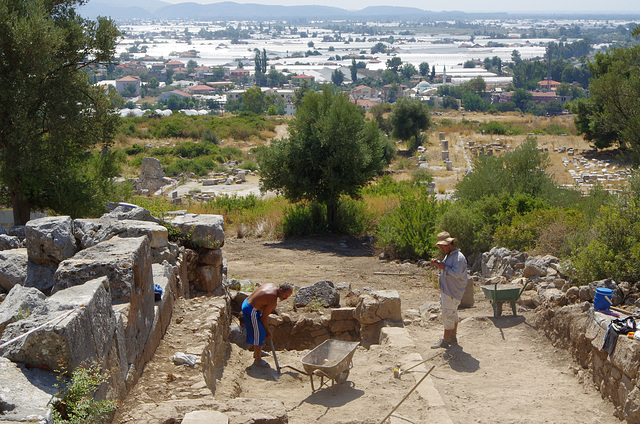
[{"x": 256, "y": 332}]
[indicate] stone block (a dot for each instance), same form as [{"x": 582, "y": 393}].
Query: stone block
[
  {"x": 19, "y": 303},
  {"x": 40, "y": 276},
  {"x": 467, "y": 299},
  {"x": 13, "y": 267},
  {"x": 626, "y": 356},
  {"x": 205, "y": 417},
  {"x": 322, "y": 292},
  {"x": 80, "y": 337},
  {"x": 202, "y": 230},
  {"x": 125, "y": 261},
  {"x": 365, "y": 311},
  {"x": 390, "y": 305},
  {"x": 210, "y": 257},
  {"x": 343, "y": 326},
  {"x": 339, "y": 314},
  {"x": 8, "y": 242},
  {"x": 25, "y": 393},
  {"x": 93, "y": 231},
  {"x": 208, "y": 278},
  {"x": 50, "y": 239}
]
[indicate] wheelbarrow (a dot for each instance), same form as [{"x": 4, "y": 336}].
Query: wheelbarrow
[
  {"x": 505, "y": 293},
  {"x": 332, "y": 359}
]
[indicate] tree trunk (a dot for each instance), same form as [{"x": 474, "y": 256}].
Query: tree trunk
[
  {"x": 21, "y": 209},
  {"x": 332, "y": 215}
]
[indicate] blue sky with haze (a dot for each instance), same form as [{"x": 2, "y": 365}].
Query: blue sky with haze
[{"x": 574, "y": 6}]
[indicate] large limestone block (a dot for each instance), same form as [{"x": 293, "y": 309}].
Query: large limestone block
[
  {"x": 125, "y": 261},
  {"x": 137, "y": 213},
  {"x": 9, "y": 242},
  {"x": 377, "y": 306},
  {"x": 20, "y": 302},
  {"x": 50, "y": 239},
  {"x": 93, "y": 231},
  {"x": 390, "y": 305},
  {"x": 76, "y": 338},
  {"x": 208, "y": 278},
  {"x": 202, "y": 230},
  {"x": 40, "y": 276},
  {"x": 25, "y": 393},
  {"x": 13, "y": 267},
  {"x": 205, "y": 417}
]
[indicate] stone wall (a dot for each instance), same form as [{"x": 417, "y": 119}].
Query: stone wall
[
  {"x": 86, "y": 292},
  {"x": 581, "y": 330},
  {"x": 307, "y": 329}
]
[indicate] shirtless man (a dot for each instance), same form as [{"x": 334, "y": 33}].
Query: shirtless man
[{"x": 256, "y": 308}]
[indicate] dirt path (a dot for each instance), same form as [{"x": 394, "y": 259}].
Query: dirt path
[{"x": 502, "y": 372}]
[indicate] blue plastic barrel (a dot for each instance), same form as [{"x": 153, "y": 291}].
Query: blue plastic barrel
[{"x": 602, "y": 299}]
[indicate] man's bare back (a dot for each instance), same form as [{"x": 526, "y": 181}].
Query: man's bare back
[{"x": 264, "y": 298}]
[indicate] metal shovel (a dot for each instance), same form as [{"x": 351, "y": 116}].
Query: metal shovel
[{"x": 273, "y": 352}]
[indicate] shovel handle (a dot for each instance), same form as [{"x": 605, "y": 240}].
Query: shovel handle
[{"x": 273, "y": 351}]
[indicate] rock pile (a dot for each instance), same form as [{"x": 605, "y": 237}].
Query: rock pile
[{"x": 90, "y": 291}]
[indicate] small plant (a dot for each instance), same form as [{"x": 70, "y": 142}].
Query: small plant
[
  {"x": 22, "y": 314},
  {"x": 76, "y": 403},
  {"x": 315, "y": 305}
]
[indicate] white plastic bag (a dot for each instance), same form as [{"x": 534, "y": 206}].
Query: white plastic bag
[{"x": 184, "y": 359}]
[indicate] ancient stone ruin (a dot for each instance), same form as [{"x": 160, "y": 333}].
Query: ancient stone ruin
[
  {"x": 96, "y": 291},
  {"x": 101, "y": 291}
]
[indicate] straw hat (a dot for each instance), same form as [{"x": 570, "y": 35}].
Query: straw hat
[{"x": 444, "y": 239}]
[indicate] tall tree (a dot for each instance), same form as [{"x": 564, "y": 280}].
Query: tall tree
[
  {"x": 354, "y": 70},
  {"x": 424, "y": 69},
  {"x": 337, "y": 77},
  {"x": 409, "y": 118},
  {"x": 331, "y": 151},
  {"x": 50, "y": 114},
  {"x": 253, "y": 100}
]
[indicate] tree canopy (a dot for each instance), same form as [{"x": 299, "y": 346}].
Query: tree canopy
[
  {"x": 331, "y": 151},
  {"x": 610, "y": 114},
  {"x": 50, "y": 114},
  {"x": 408, "y": 119}
]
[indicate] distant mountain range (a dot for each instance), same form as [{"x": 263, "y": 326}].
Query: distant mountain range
[
  {"x": 150, "y": 9},
  {"x": 153, "y": 9}
]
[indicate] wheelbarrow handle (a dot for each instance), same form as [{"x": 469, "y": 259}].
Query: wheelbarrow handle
[{"x": 524, "y": 287}]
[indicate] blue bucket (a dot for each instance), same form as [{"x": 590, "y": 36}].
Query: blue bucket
[{"x": 602, "y": 299}]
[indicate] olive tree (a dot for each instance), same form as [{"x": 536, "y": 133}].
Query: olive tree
[
  {"x": 408, "y": 119},
  {"x": 50, "y": 114},
  {"x": 331, "y": 151}
]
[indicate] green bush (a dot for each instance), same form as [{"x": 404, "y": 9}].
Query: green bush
[
  {"x": 613, "y": 250},
  {"x": 134, "y": 149},
  {"x": 469, "y": 225},
  {"x": 76, "y": 404},
  {"x": 304, "y": 219},
  {"x": 408, "y": 231}
]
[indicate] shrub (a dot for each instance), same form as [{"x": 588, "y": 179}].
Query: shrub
[
  {"x": 304, "y": 219},
  {"x": 76, "y": 404},
  {"x": 408, "y": 231},
  {"x": 134, "y": 149}
]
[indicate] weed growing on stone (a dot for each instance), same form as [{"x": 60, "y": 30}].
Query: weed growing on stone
[{"x": 75, "y": 401}]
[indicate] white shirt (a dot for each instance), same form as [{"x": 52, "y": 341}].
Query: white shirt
[{"x": 453, "y": 278}]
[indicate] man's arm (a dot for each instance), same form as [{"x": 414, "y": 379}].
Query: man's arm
[{"x": 270, "y": 306}]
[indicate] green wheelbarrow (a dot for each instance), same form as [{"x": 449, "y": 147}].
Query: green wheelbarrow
[{"x": 505, "y": 293}]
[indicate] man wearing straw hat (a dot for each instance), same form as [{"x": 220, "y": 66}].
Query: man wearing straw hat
[{"x": 453, "y": 283}]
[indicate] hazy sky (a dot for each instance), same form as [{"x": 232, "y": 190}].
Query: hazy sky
[{"x": 576, "y": 6}]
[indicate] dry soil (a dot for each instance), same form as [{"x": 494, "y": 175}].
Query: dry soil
[{"x": 503, "y": 370}]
